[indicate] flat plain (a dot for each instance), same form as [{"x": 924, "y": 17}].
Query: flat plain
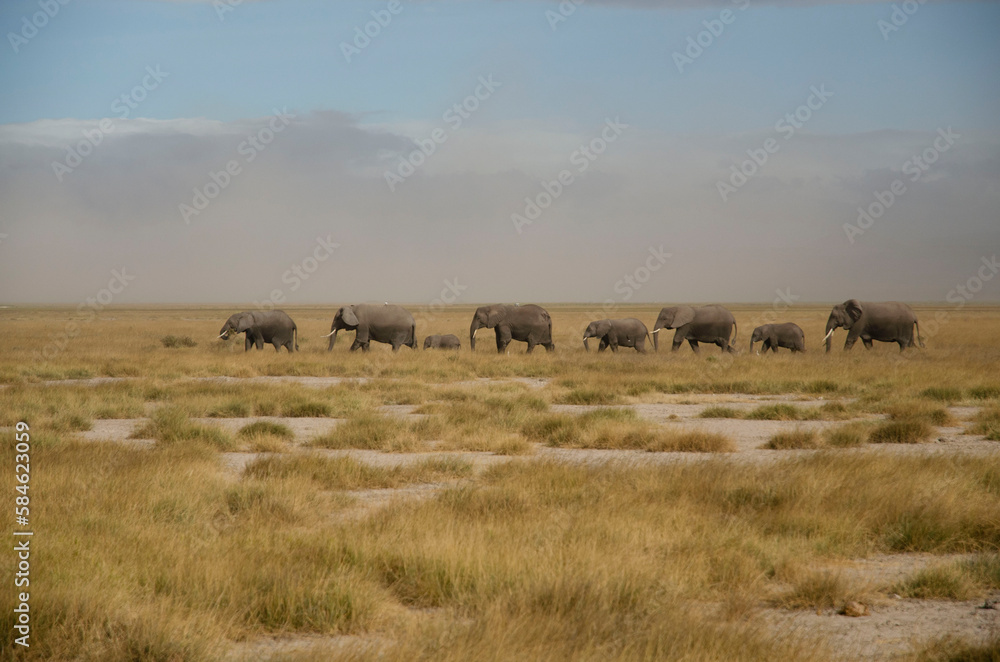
[{"x": 195, "y": 502}]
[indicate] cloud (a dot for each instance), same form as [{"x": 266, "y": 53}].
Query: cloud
[{"x": 323, "y": 175}]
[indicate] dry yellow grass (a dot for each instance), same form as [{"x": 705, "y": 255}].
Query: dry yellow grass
[{"x": 164, "y": 553}]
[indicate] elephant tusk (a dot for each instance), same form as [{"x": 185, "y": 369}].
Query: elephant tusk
[
  {"x": 329, "y": 334},
  {"x": 224, "y": 335},
  {"x": 655, "y": 331},
  {"x": 828, "y": 335}
]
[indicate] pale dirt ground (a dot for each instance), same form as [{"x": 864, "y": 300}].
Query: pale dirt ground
[{"x": 893, "y": 626}]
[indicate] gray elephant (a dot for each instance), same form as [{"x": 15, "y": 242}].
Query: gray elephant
[
  {"x": 628, "y": 332},
  {"x": 386, "y": 323},
  {"x": 707, "y": 324},
  {"x": 773, "y": 336},
  {"x": 530, "y": 324},
  {"x": 263, "y": 326},
  {"x": 449, "y": 341},
  {"x": 888, "y": 321}
]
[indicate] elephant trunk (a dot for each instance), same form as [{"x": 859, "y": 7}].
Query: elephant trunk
[
  {"x": 586, "y": 345},
  {"x": 751, "y": 345},
  {"x": 656, "y": 338},
  {"x": 476, "y": 325},
  {"x": 828, "y": 339},
  {"x": 333, "y": 339}
]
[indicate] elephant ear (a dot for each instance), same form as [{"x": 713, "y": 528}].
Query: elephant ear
[
  {"x": 602, "y": 328},
  {"x": 347, "y": 314},
  {"x": 682, "y": 315},
  {"x": 493, "y": 316},
  {"x": 244, "y": 322},
  {"x": 854, "y": 309}
]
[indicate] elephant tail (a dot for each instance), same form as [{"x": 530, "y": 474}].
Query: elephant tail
[
  {"x": 736, "y": 333},
  {"x": 413, "y": 336},
  {"x": 295, "y": 337},
  {"x": 919, "y": 339}
]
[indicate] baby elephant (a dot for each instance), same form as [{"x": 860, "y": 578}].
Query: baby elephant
[
  {"x": 436, "y": 341},
  {"x": 628, "y": 332},
  {"x": 786, "y": 335}
]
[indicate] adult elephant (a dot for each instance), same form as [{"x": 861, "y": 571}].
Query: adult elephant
[
  {"x": 773, "y": 336},
  {"x": 386, "y": 323},
  {"x": 449, "y": 341},
  {"x": 628, "y": 332},
  {"x": 887, "y": 321},
  {"x": 707, "y": 324},
  {"x": 263, "y": 326},
  {"x": 530, "y": 324}
]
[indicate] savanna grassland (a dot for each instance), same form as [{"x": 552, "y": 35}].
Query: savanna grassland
[{"x": 194, "y": 502}]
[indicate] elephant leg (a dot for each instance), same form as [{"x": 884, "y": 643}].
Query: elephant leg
[
  {"x": 849, "y": 342},
  {"x": 260, "y": 343},
  {"x": 366, "y": 346},
  {"x": 247, "y": 342},
  {"x": 503, "y": 339},
  {"x": 903, "y": 344},
  {"x": 355, "y": 345},
  {"x": 868, "y": 343},
  {"x": 679, "y": 339},
  {"x": 549, "y": 347},
  {"x": 603, "y": 345},
  {"x": 614, "y": 347},
  {"x": 694, "y": 345}
]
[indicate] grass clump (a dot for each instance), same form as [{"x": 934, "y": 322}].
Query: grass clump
[
  {"x": 619, "y": 428},
  {"x": 849, "y": 435},
  {"x": 370, "y": 431},
  {"x": 912, "y": 431},
  {"x": 957, "y": 649},
  {"x": 170, "y": 425},
  {"x": 172, "y": 342},
  {"x": 589, "y": 396},
  {"x": 987, "y": 422},
  {"x": 779, "y": 412},
  {"x": 945, "y": 582},
  {"x": 266, "y": 436},
  {"x": 986, "y": 392},
  {"x": 692, "y": 441},
  {"x": 817, "y": 590},
  {"x": 719, "y": 412},
  {"x": 919, "y": 411},
  {"x": 346, "y": 473},
  {"x": 306, "y": 409},
  {"x": 942, "y": 393},
  {"x": 799, "y": 438}
]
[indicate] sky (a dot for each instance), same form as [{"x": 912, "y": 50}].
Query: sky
[{"x": 480, "y": 151}]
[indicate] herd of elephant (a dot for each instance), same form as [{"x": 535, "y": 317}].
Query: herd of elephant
[{"x": 886, "y": 322}]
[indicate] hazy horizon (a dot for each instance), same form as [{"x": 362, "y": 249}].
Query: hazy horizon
[{"x": 629, "y": 151}]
